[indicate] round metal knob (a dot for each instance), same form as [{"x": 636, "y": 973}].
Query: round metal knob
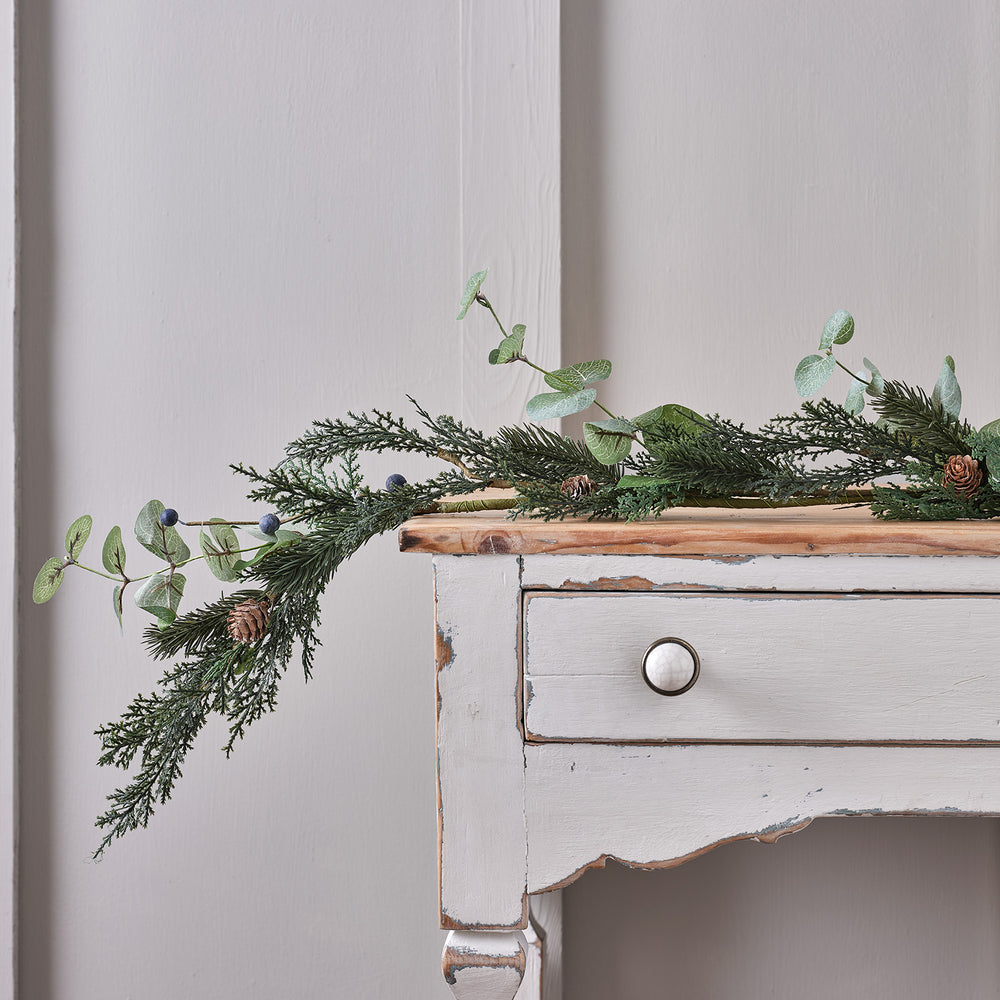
[{"x": 670, "y": 666}]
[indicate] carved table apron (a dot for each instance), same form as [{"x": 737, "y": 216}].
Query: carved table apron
[{"x": 646, "y": 692}]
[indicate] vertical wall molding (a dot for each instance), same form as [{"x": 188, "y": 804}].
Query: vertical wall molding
[
  {"x": 511, "y": 194},
  {"x": 8, "y": 488}
]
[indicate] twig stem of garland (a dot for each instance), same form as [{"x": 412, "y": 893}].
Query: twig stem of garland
[{"x": 858, "y": 496}]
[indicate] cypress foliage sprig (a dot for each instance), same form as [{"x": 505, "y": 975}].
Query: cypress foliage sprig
[
  {"x": 713, "y": 461},
  {"x": 193, "y": 632},
  {"x": 531, "y": 453},
  {"x": 935, "y": 434}
]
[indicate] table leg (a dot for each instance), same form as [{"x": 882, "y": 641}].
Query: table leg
[
  {"x": 543, "y": 976},
  {"x": 484, "y": 965}
]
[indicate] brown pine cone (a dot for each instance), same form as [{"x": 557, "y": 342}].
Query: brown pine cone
[
  {"x": 963, "y": 473},
  {"x": 578, "y": 486},
  {"x": 247, "y": 622}
]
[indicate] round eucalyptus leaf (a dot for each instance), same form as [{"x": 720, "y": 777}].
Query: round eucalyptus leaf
[
  {"x": 609, "y": 440},
  {"x": 839, "y": 329},
  {"x": 77, "y": 535},
  {"x": 992, "y": 428},
  {"x": 564, "y": 379},
  {"x": 813, "y": 372},
  {"x": 116, "y": 601},
  {"x": 48, "y": 580},
  {"x": 581, "y": 374},
  {"x": 221, "y": 551},
  {"x": 670, "y": 414},
  {"x": 113, "y": 553},
  {"x": 855, "y": 401},
  {"x": 510, "y": 347},
  {"x": 947, "y": 391},
  {"x": 550, "y": 405},
  {"x": 161, "y": 541},
  {"x": 876, "y": 384},
  {"x": 160, "y": 595},
  {"x": 472, "y": 287}
]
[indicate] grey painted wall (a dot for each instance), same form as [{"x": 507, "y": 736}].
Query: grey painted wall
[
  {"x": 733, "y": 173},
  {"x": 237, "y": 218}
]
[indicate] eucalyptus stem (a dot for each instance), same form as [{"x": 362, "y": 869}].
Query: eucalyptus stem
[
  {"x": 96, "y": 572},
  {"x": 170, "y": 566},
  {"x": 600, "y": 406},
  {"x": 483, "y": 301},
  {"x": 848, "y": 370}
]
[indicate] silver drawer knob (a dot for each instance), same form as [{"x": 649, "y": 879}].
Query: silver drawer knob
[{"x": 670, "y": 666}]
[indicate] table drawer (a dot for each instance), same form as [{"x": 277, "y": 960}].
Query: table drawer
[{"x": 773, "y": 667}]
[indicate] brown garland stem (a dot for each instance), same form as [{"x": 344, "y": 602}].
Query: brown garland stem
[{"x": 857, "y": 496}]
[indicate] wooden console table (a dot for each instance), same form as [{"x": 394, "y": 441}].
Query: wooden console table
[{"x": 646, "y": 692}]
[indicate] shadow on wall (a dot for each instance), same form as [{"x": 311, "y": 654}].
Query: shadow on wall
[{"x": 39, "y": 261}]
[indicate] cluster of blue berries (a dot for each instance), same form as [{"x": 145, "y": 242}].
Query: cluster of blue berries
[{"x": 268, "y": 524}]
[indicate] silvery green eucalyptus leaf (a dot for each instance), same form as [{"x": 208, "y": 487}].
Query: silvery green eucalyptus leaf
[
  {"x": 581, "y": 374},
  {"x": 77, "y": 535},
  {"x": 992, "y": 428},
  {"x": 163, "y": 542},
  {"x": 813, "y": 372},
  {"x": 283, "y": 535},
  {"x": 160, "y": 595},
  {"x": 221, "y": 551},
  {"x": 472, "y": 287},
  {"x": 116, "y": 601},
  {"x": 609, "y": 440},
  {"x": 947, "y": 391},
  {"x": 510, "y": 347},
  {"x": 550, "y": 405},
  {"x": 839, "y": 329},
  {"x": 876, "y": 384},
  {"x": 855, "y": 401},
  {"x": 673, "y": 415},
  {"x": 113, "y": 553},
  {"x": 48, "y": 580}
]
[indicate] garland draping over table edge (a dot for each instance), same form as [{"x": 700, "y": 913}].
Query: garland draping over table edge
[{"x": 227, "y": 657}]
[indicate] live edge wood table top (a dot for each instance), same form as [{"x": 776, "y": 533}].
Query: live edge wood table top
[{"x": 771, "y": 666}]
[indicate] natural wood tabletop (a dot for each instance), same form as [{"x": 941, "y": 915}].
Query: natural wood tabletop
[{"x": 703, "y": 532}]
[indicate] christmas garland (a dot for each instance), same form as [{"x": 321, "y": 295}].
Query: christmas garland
[{"x": 228, "y": 657}]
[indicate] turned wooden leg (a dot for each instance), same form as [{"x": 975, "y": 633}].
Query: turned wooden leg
[
  {"x": 484, "y": 965},
  {"x": 543, "y": 975}
]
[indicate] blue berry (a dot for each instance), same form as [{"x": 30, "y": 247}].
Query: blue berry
[
  {"x": 394, "y": 482},
  {"x": 168, "y": 517},
  {"x": 269, "y": 524}
]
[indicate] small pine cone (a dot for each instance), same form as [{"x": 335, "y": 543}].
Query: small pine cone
[
  {"x": 578, "y": 486},
  {"x": 247, "y": 622},
  {"x": 963, "y": 473}
]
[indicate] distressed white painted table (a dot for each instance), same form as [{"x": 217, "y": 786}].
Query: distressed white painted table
[{"x": 840, "y": 666}]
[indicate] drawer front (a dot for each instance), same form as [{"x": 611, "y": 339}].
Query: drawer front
[{"x": 773, "y": 668}]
